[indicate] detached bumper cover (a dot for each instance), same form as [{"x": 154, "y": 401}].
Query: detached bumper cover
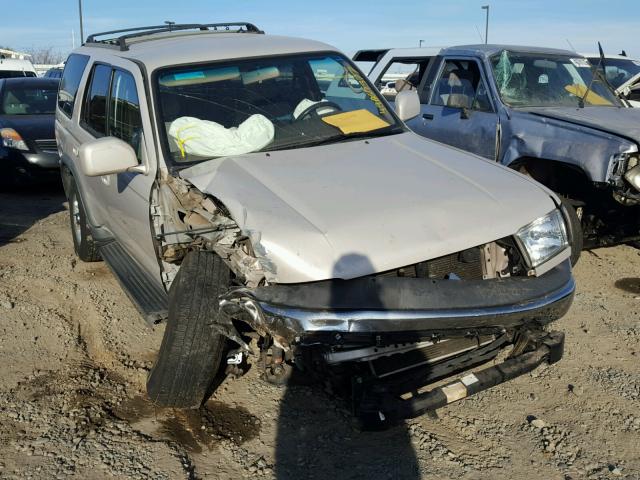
[
  {"x": 382, "y": 405},
  {"x": 390, "y": 304}
]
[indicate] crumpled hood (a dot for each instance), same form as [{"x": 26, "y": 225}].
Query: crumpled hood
[
  {"x": 623, "y": 122},
  {"x": 355, "y": 208}
]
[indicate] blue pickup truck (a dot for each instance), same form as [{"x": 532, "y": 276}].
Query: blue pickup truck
[{"x": 544, "y": 112}]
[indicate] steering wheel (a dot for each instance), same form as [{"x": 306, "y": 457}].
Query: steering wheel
[{"x": 313, "y": 109}]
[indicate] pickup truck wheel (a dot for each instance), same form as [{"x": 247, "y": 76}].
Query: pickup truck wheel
[
  {"x": 83, "y": 244},
  {"x": 574, "y": 229},
  {"x": 191, "y": 349}
]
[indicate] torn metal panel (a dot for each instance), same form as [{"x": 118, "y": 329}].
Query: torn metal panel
[{"x": 189, "y": 220}]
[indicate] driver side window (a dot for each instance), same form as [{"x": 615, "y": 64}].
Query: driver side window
[{"x": 460, "y": 85}]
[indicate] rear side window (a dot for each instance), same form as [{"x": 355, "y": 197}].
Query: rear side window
[
  {"x": 73, "y": 70},
  {"x": 125, "y": 121},
  {"x": 94, "y": 113}
]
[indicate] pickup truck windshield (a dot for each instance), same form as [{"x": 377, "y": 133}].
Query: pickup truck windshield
[
  {"x": 270, "y": 103},
  {"x": 533, "y": 80}
]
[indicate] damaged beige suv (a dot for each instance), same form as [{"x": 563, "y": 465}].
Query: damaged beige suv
[{"x": 257, "y": 194}]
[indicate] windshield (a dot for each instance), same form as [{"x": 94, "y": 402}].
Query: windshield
[
  {"x": 20, "y": 100},
  {"x": 618, "y": 70},
  {"x": 532, "y": 80},
  {"x": 273, "y": 103}
]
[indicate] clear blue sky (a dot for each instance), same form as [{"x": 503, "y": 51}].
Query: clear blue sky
[{"x": 350, "y": 25}]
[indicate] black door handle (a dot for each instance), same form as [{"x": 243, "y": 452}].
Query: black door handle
[{"x": 427, "y": 116}]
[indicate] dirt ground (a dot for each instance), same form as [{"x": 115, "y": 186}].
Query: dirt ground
[{"x": 74, "y": 356}]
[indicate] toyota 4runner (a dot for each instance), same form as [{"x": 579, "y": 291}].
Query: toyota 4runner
[{"x": 259, "y": 195}]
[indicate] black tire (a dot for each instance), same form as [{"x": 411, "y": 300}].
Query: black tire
[
  {"x": 191, "y": 350},
  {"x": 574, "y": 227},
  {"x": 83, "y": 244}
]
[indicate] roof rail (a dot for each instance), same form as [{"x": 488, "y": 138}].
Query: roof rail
[{"x": 137, "y": 32}]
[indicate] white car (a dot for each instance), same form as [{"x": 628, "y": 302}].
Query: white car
[
  {"x": 623, "y": 73},
  {"x": 13, "y": 67},
  {"x": 243, "y": 185}
]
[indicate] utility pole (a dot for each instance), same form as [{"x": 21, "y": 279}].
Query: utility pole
[
  {"x": 420, "y": 43},
  {"x": 81, "y": 29},
  {"x": 486, "y": 28}
]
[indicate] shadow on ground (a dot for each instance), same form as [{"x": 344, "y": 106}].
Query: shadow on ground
[
  {"x": 312, "y": 428},
  {"x": 22, "y": 207}
]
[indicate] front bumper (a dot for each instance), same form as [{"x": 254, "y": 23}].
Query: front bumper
[
  {"x": 380, "y": 403},
  {"x": 307, "y": 313},
  {"x": 29, "y": 167}
]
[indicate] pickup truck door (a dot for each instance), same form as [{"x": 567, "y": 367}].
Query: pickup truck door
[
  {"x": 457, "y": 108},
  {"x": 115, "y": 107}
]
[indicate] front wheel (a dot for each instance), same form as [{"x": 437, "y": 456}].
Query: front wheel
[{"x": 191, "y": 349}]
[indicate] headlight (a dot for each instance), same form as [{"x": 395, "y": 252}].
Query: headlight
[
  {"x": 12, "y": 139},
  {"x": 543, "y": 238},
  {"x": 632, "y": 175}
]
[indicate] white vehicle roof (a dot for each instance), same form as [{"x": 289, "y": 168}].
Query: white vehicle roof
[
  {"x": 16, "y": 64},
  {"x": 383, "y": 58},
  {"x": 156, "y": 51},
  {"x": 619, "y": 57}
]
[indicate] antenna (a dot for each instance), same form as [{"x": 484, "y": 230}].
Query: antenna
[
  {"x": 571, "y": 45},
  {"x": 479, "y": 34}
]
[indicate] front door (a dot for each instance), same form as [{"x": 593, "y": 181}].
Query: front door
[
  {"x": 458, "y": 109},
  {"x": 112, "y": 108}
]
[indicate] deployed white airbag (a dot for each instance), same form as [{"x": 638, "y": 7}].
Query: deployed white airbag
[{"x": 210, "y": 139}]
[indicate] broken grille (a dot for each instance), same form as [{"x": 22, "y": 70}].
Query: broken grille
[{"x": 466, "y": 265}]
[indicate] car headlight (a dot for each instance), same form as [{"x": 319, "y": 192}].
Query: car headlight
[
  {"x": 543, "y": 238},
  {"x": 12, "y": 139}
]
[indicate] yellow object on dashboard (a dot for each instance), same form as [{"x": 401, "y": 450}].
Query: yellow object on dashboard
[
  {"x": 356, "y": 121},
  {"x": 592, "y": 98}
]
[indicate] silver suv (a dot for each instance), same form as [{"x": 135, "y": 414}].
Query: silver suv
[{"x": 258, "y": 194}]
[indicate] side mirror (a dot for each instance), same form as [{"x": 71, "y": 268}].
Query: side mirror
[
  {"x": 407, "y": 105},
  {"x": 105, "y": 156}
]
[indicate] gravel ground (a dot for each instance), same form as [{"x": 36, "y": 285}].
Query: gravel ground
[{"x": 74, "y": 355}]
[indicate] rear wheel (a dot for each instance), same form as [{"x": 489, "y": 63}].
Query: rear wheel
[
  {"x": 191, "y": 350},
  {"x": 574, "y": 229},
  {"x": 83, "y": 244}
]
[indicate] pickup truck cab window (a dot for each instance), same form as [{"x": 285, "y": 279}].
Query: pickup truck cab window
[{"x": 461, "y": 85}]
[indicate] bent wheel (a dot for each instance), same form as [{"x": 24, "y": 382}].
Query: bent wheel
[{"x": 191, "y": 350}]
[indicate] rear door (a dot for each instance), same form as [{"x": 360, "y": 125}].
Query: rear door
[{"x": 457, "y": 108}]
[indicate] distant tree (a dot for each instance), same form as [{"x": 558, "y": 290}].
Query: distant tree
[{"x": 45, "y": 55}]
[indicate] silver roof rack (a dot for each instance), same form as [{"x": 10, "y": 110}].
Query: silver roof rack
[{"x": 121, "y": 41}]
